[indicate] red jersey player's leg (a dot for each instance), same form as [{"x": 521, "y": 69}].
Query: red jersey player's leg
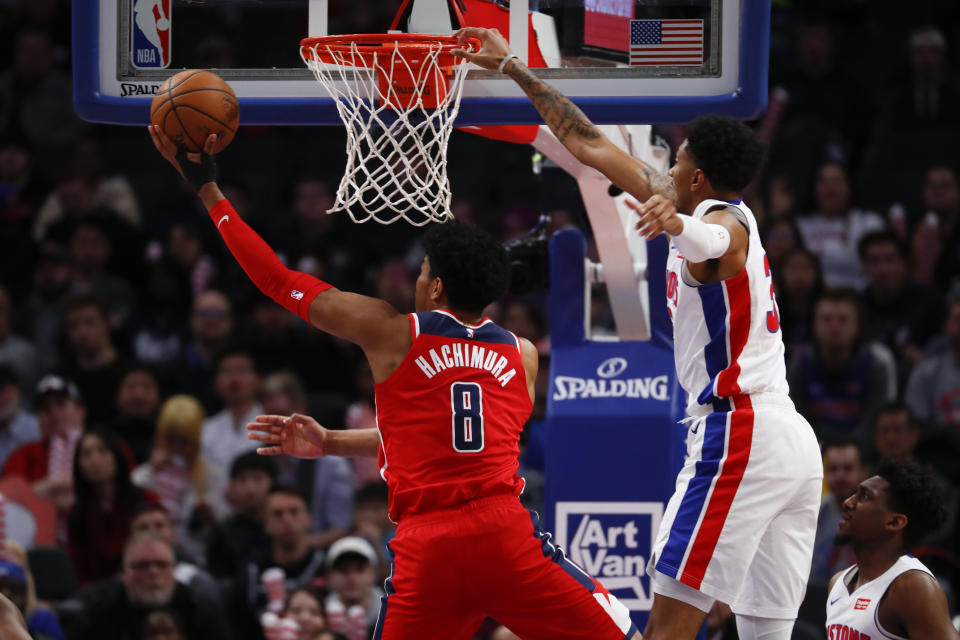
[{"x": 538, "y": 593}]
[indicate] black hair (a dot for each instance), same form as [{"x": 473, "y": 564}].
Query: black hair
[
  {"x": 374, "y": 492},
  {"x": 896, "y": 406},
  {"x": 236, "y": 350},
  {"x": 913, "y": 492},
  {"x": 288, "y": 490},
  {"x": 126, "y": 494},
  {"x": 725, "y": 149},
  {"x": 841, "y": 442},
  {"x": 842, "y": 294},
  {"x": 881, "y": 236},
  {"x": 84, "y": 300},
  {"x": 148, "y": 506},
  {"x": 9, "y": 377},
  {"x": 253, "y": 461},
  {"x": 471, "y": 263}
]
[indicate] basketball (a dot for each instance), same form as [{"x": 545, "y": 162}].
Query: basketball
[{"x": 193, "y": 104}]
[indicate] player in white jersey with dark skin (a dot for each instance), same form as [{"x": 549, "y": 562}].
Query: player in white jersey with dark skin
[
  {"x": 889, "y": 593},
  {"x": 741, "y": 524}
]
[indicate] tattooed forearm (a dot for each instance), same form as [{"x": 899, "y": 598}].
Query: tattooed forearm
[
  {"x": 659, "y": 182},
  {"x": 562, "y": 116}
]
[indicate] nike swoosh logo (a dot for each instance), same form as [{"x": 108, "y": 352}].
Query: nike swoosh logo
[
  {"x": 835, "y": 600},
  {"x": 695, "y": 428},
  {"x": 222, "y": 220}
]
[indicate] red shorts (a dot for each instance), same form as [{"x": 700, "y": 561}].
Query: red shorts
[{"x": 453, "y": 568}]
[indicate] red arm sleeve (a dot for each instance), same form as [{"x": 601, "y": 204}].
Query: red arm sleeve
[{"x": 293, "y": 290}]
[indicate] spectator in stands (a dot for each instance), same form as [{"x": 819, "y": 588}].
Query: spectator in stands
[
  {"x": 191, "y": 488},
  {"x": 16, "y": 583},
  {"x": 21, "y": 189},
  {"x": 844, "y": 469},
  {"x": 17, "y": 425},
  {"x": 211, "y": 322},
  {"x": 90, "y": 251},
  {"x": 163, "y": 625},
  {"x": 287, "y": 524},
  {"x": 895, "y": 432},
  {"x": 933, "y": 391},
  {"x": 799, "y": 283},
  {"x": 935, "y": 241},
  {"x": 36, "y": 99},
  {"x": 158, "y": 326},
  {"x": 834, "y": 228},
  {"x": 46, "y": 463},
  {"x": 94, "y": 362},
  {"x": 372, "y": 521},
  {"x": 352, "y": 568},
  {"x": 237, "y": 382},
  {"x": 153, "y": 518},
  {"x": 840, "y": 380},
  {"x": 780, "y": 238},
  {"x": 327, "y": 482},
  {"x": 43, "y": 309},
  {"x": 15, "y": 352},
  {"x": 927, "y": 99},
  {"x": 306, "y": 609},
  {"x": 119, "y": 609},
  {"x": 236, "y": 539},
  {"x": 99, "y": 523},
  {"x": 898, "y": 313},
  {"x": 137, "y": 404}
]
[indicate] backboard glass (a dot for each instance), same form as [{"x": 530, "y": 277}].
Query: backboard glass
[{"x": 621, "y": 61}]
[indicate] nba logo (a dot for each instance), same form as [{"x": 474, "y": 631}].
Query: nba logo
[
  {"x": 612, "y": 542},
  {"x": 150, "y": 41}
]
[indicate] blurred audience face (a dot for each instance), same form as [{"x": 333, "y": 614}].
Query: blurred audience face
[
  {"x": 51, "y": 276},
  {"x": 96, "y": 461},
  {"x": 210, "y": 320},
  {"x": 835, "y": 325},
  {"x": 287, "y": 521},
  {"x": 352, "y": 576},
  {"x": 270, "y": 319},
  {"x": 160, "y": 625},
  {"x": 58, "y": 413},
  {"x": 4, "y": 314},
  {"x": 832, "y": 190},
  {"x": 815, "y": 44},
  {"x": 154, "y": 522},
  {"x": 304, "y": 608},
  {"x": 395, "y": 285},
  {"x": 843, "y": 470},
  {"x": 138, "y": 394},
  {"x": 184, "y": 246},
  {"x": 941, "y": 192},
  {"x": 519, "y": 318},
  {"x": 894, "y": 435},
  {"x": 282, "y": 394},
  {"x": 148, "y": 572},
  {"x": 10, "y": 395},
  {"x": 237, "y": 381},
  {"x": 248, "y": 490},
  {"x": 14, "y": 163},
  {"x": 33, "y": 56},
  {"x": 77, "y": 196},
  {"x": 87, "y": 330},
  {"x": 89, "y": 249},
  {"x": 952, "y": 329},
  {"x": 927, "y": 61},
  {"x": 780, "y": 238},
  {"x": 798, "y": 272},
  {"x": 884, "y": 267},
  {"x": 311, "y": 200}
]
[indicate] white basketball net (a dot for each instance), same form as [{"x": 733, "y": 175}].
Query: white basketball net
[{"x": 396, "y": 155}]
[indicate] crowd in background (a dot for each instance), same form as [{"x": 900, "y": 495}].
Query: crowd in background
[{"x": 133, "y": 349}]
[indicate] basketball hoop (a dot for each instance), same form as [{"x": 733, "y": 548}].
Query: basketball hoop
[{"x": 398, "y": 95}]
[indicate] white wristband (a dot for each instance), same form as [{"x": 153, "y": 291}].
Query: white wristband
[
  {"x": 503, "y": 63},
  {"x": 701, "y": 241}
]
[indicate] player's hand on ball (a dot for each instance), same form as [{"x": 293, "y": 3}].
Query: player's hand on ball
[
  {"x": 657, "y": 215},
  {"x": 196, "y": 168},
  {"x": 296, "y": 435},
  {"x": 494, "y": 47}
]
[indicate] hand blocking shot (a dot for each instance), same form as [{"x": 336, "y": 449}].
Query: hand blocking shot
[{"x": 741, "y": 524}]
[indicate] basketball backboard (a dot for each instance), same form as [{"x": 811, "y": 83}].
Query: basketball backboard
[{"x": 621, "y": 61}]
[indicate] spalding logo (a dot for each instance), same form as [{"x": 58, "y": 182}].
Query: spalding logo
[{"x": 611, "y": 367}]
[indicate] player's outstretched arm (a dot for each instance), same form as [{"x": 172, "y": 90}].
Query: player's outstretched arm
[
  {"x": 369, "y": 322},
  {"x": 303, "y": 437},
  {"x": 917, "y": 602},
  {"x": 566, "y": 121}
]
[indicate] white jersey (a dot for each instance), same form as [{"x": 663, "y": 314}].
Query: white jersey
[
  {"x": 726, "y": 335},
  {"x": 854, "y": 615}
]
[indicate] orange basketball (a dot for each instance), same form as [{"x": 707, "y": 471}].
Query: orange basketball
[{"x": 193, "y": 104}]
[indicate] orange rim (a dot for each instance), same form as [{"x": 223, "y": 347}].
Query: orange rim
[{"x": 414, "y": 43}]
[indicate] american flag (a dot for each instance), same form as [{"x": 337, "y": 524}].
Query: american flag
[{"x": 666, "y": 42}]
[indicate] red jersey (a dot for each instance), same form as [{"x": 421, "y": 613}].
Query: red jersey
[{"x": 451, "y": 414}]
